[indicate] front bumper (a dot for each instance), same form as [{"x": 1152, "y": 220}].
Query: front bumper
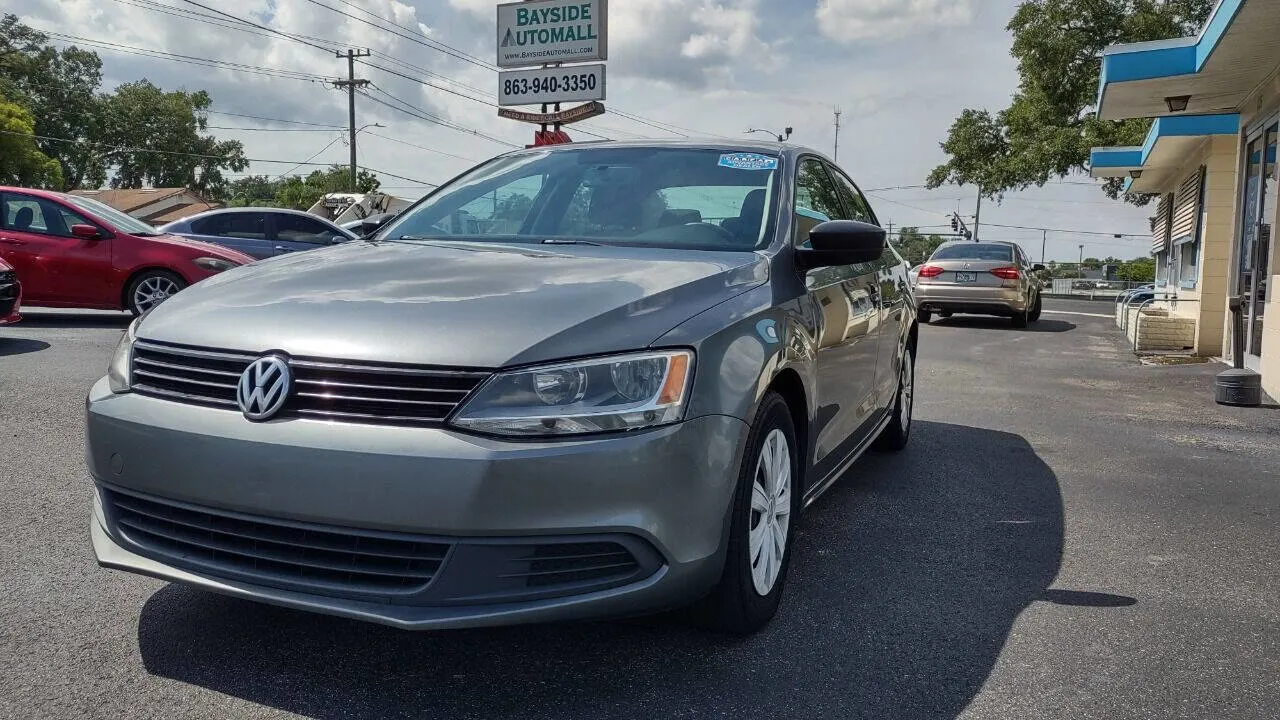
[
  {"x": 664, "y": 495},
  {"x": 10, "y": 302}
]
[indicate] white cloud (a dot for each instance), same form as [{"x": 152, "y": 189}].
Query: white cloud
[{"x": 849, "y": 20}]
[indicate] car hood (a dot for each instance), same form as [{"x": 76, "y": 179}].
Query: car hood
[{"x": 449, "y": 303}]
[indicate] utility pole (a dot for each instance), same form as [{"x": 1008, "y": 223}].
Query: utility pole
[
  {"x": 977, "y": 215},
  {"x": 835, "y": 154},
  {"x": 1080, "y": 264},
  {"x": 1044, "y": 240},
  {"x": 351, "y": 83}
]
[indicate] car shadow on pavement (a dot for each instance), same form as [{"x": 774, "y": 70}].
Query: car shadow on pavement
[
  {"x": 998, "y": 323},
  {"x": 907, "y": 579},
  {"x": 20, "y": 346},
  {"x": 73, "y": 319}
]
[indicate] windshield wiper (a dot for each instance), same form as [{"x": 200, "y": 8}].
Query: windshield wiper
[{"x": 569, "y": 241}]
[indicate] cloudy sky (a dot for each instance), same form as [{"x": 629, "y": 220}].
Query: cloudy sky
[{"x": 899, "y": 69}]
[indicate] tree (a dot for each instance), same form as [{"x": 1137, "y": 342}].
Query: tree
[
  {"x": 1141, "y": 269},
  {"x": 251, "y": 190},
  {"x": 21, "y": 162},
  {"x": 301, "y": 193},
  {"x": 153, "y": 137},
  {"x": 1050, "y": 125},
  {"x": 914, "y": 247},
  {"x": 59, "y": 88}
]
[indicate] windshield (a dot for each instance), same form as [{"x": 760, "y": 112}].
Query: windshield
[
  {"x": 668, "y": 197},
  {"x": 121, "y": 221},
  {"x": 1002, "y": 253}
]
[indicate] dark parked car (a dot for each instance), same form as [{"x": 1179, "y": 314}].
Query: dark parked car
[
  {"x": 577, "y": 381},
  {"x": 260, "y": 232},
  {"x": 76, "y": 252},
  {"x": 10, "y": 295}
]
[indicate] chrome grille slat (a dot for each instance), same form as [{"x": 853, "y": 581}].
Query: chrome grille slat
[{"x": 340, "y": 390}]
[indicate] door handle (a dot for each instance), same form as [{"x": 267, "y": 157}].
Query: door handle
[{"x": 283, "y": 249}]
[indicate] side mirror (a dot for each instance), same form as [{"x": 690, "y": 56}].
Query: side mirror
[
  {"x": 841, "y": 242},
  {"x": 1037, "y": 268},
  {"x": 86, "y": 232}
]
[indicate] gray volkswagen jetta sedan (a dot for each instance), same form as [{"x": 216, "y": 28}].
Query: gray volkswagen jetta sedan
[{"x": 579, "y": 381}]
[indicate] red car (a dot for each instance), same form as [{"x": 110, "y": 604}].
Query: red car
[
  {"x": 73, "y": 251},
  {"x": 10, "y": 295}
]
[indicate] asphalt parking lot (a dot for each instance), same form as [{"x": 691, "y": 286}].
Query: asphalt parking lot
[{"x": 1070, "y": 535}]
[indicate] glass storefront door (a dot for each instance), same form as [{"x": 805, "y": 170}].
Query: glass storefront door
[{"x": 1258, "y": 213}]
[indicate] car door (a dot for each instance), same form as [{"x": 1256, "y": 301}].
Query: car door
[
  {"x": 53, "y": 265},
  {"x": 890, "y": 297},
  {"x": 846, "y": 327},
  {"x": 294, "y": 232},
  {"x": 244, "y": 231}
]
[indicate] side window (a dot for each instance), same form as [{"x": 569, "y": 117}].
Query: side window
[
  {"x": 296, "y": 228},
  {"x": 500, "y": 212},
  {"x": 25, "y": 213},
  {"x": 857, "y": 204},
  {"x": 243, "y": 225},
  {"x": 817, "y": 200}
]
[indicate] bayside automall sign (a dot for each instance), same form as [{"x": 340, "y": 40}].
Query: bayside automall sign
[{"x": 552, "y": 31}]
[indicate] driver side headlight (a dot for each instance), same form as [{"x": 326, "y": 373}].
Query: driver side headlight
[
  {"x": 215, "y": 264},
  {"x": 607, "y": 394},
  {"x": 118, "y": 371}
]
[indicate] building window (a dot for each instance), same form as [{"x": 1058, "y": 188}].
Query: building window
[
  {"x": 1162, "y": 268},
  {"x": 1188, "y": 262}
]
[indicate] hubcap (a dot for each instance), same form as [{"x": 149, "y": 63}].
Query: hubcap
[
  {"x": 770, "y": 511},
  {"x": 908, "y": 390},
  {"x": 153, "y": 291}
]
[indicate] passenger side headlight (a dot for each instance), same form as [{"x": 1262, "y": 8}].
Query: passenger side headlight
[
  {"x": 118, "y": 371},
  {"x": 215, "y": 264},
  {"x": 621, "y": 392}
]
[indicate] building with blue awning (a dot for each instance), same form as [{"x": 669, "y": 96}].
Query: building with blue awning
[{"x": 1210, "y": 160}]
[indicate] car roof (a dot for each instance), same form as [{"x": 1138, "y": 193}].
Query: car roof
[
  {"x": 50, "y": 194},
  {"x": 224, "y": 211},
  {"x": 786, "y": 149}
]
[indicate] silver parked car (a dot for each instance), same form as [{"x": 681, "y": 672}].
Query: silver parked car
[
  {"x": 577, "y": 381},
  {"x": 986, "y": 278},
  {"x": 260, "y": 232}
]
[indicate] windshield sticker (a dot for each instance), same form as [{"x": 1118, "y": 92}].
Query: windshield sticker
[{"x": 748, "y": 161}]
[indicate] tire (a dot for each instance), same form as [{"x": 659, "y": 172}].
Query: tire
[
  {"x": 924, "y": 316},
  {"x": 150, "y": 288},
  {"x": 895, "y": 435},
  {"x": 1020, "y": 319},
  {"x": 1036, "y": 309},
  {"x": 744, "y": 600}
]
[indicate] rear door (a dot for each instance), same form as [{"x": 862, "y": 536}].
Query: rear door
[
  {"x": 293, "y": 233},
  {"x": 847, "y": 327},
  {"x": 53, "y": 265},
  {"x": 243, "y": 231}
]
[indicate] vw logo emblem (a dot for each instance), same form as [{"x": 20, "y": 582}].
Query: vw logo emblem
[{"x": 263, "y": 387}]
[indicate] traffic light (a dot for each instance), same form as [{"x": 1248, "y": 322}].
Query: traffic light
[{"x": 955, "y": 224}]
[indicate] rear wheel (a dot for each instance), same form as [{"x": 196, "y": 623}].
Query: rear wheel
[
  {"x": 1036, "y": 309},
  {"x": 1020, "y": 319},
  {"x": 762, "y": 527},
  {"x": 150, "y": 289}
]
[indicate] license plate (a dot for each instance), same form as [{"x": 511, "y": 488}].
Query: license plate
[{"x": 966, "y": 277}]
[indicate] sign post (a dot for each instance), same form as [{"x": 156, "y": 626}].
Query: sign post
[{"x": 546, "y": 39}]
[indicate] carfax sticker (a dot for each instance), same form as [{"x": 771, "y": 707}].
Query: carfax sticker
[{"x": 748, "y": 161}]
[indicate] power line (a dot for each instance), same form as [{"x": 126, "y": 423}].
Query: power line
[
  {"x": 268, "y": 119},
  {"x": 433, "y": 44},
  {"x": 421, "y": 114},
  {"x": 177, "y": 57},
  {"x": 259, "y": 129},
  {"x": 308, "y": 160},
  {"x": 421, "y": 147},
  {"x": 148, "y": 150},
  {"x": 398, "y": 177},
  {"x": 254, "y": 24}
]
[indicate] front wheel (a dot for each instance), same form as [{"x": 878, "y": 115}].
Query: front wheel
[
  {"x": 1036, "y": 309},
  {"x": 150, "y": 289},
  {"x": 895, "y": 435},
  {"x": 761, "y": 528}
]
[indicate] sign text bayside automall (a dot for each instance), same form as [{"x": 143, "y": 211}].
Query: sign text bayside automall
[{"x": 552, "y": 31}]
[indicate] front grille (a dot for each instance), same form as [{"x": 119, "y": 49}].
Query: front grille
[
  {"x": 295, "y": 555},
  {"x": 327, "y": 389},
  {"x": 573, "y": 563},
  {"x": 8, "y": 291}
]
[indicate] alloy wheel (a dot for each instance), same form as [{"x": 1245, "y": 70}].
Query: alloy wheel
[
  {"x": 908, "y": 390},
  {"x": 770, "y": 511},
  {"x": 153, "y": 291}
]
